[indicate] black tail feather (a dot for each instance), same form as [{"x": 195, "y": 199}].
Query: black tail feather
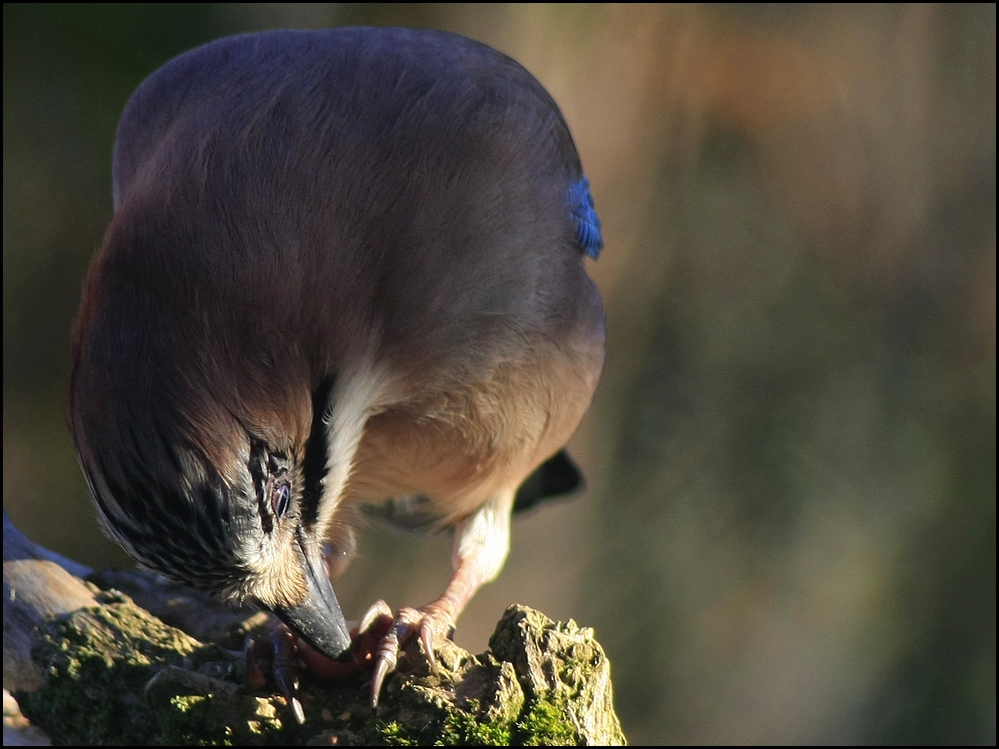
[{"x": 557, "y": 476}]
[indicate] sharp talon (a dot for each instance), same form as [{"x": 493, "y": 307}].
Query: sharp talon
[
  {"x": 428, "y": 621},
  {"x": 285, "y": 670},
  {"x": 381, "y": 669},
  {"x": 427, "y": 638},
  {"x": 296, "y": 708},
  {"x": 287, "y": 683},
  {"x": 378, "y": 610},
  {"x": 385, "y": 662}
]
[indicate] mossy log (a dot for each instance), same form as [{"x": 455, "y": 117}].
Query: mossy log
[{"x": 129, "y": 658}]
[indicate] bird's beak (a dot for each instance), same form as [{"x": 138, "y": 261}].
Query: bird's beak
[{"x": 318, "y": 619}]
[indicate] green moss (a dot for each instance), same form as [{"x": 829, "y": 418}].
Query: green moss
[
  {"x": 545, "y": 723},
  {"x": 463, "y": 729},
  {"x": 185, "y": 724},
  {"x": 92, "y": 697},
  {"x": 118, "y": 676},
  {"x": 457, "y": 727},
  {"x": 541, "y": 723},
  {"x": 394, "y": 734}
]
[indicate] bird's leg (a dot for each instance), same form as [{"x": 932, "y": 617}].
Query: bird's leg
[{"x": 481, "y": 543}]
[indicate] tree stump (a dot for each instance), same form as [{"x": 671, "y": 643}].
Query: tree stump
[{"x": 130, "y": 658}]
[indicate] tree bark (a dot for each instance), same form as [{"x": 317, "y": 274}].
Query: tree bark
[{"x": 130, "y": 658}]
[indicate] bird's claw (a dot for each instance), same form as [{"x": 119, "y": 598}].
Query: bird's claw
[
  {"x": 379, "y": 637},
  {"x": 286, "y": 669},
  {"x": 279, "y": 657},
  {"x": 378, "y": 610},
  {"x": 428, "y": 620}
]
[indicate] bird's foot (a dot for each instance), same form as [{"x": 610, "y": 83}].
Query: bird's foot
[
  {"x": 378, "y": 638},
  {"x": 430, "y": 622},
  {"x": 282, "y": 656}
]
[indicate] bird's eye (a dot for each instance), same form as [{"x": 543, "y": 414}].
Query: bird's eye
[{"x": 281, "y": 499}]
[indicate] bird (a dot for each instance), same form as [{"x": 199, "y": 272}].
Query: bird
[{"x": 345, "y": 276}]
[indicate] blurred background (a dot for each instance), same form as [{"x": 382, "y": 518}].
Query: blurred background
[{"x": 790, "y": 529}]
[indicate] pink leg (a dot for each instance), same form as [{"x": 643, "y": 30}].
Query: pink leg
[{"x": 481, "y": 543}]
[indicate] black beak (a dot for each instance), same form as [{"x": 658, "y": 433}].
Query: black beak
[{"x": 318, "y": 619}]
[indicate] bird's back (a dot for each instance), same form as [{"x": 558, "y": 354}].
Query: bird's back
[{"x": 421, "y": 159}]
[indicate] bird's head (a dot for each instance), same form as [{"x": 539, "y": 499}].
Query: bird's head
[{"x": 205, "y": 466}]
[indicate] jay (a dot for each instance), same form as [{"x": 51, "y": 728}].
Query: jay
[{"x": 345, "y": 272}]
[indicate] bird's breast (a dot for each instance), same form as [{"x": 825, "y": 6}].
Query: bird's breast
[{"x": 459, "y": 443}]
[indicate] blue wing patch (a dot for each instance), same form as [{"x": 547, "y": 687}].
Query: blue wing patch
[{"x": 586, "y": 219}]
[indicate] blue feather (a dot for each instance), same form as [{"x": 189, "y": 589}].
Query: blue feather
[{"x": 587, "y": 222}]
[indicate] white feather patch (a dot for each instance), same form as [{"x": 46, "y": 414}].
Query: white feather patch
[{"x": 360, "y": 391}]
